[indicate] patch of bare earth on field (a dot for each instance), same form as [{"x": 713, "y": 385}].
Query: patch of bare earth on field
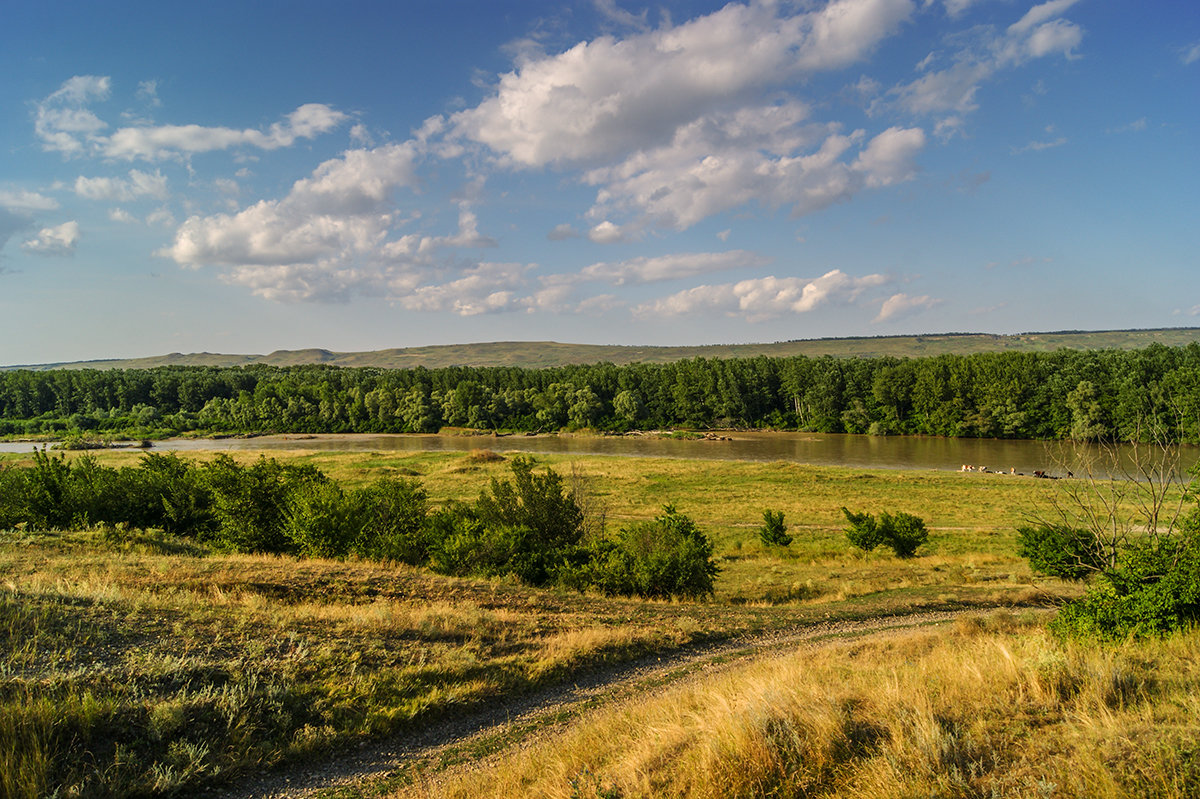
[{"x": 475, "y": 736}]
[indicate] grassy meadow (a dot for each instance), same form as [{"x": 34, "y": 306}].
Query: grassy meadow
[{"x": 169, "y": 666}]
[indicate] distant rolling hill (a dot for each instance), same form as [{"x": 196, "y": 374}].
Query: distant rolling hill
[{"x": 538, "y": 354}]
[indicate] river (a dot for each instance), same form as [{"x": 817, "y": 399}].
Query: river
[{"x": 821, "y": 449}]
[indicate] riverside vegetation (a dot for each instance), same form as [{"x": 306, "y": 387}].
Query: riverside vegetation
[
  {"x": 1086, "y": 395},
  {"x": 174, "y": 656}
]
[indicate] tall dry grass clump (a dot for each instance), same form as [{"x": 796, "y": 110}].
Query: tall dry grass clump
[{"x": 989, "y": 707}]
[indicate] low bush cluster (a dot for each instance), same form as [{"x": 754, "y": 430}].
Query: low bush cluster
[
  {"x": 1147, "y": 587},
  {"x": 528, "y": 526},
  {"x": 666, "y": 557},
  {"x": 903, "y": 532}
]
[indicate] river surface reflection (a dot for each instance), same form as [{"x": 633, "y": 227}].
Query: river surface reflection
[{"x": 822, "y": 449}]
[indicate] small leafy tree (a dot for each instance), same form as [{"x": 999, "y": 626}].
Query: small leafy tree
[
  {"x": 628, "y": 406},
  {"x": 1058, "y": 550},
  {"x": 12, "y": 491},
  {"x": 463, "y": 545},
  {"x": 392, "y": 521},
  {"x": 250, "y": 503},
  {"x": 177, "y": 487},
  {"x": 864, "y": 531},
  {"x": 903, "y": 532},
  {"x": 319, "y": 521},
  {"x": 773, "y": 531},
  {"x": 48, "y": 492}
]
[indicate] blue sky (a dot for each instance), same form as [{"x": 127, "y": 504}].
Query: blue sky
[{"x": 251, "y": 176}]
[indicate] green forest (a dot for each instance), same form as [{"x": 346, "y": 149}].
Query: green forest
[{"x": 1084, "y": 395}]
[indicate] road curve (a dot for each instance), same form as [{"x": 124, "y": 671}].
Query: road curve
[{"x": 521, "y": 717}]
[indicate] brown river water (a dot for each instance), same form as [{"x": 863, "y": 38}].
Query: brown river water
[{"x": 820, "y": 449}]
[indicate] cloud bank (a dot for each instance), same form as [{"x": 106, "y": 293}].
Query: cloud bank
[{"x": 660, "y": 131}]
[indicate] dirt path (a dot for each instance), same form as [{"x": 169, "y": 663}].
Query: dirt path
[{"x": 486, "y": 730}]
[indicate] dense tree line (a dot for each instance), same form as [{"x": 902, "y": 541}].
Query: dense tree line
[{"x": 1064, "y": 394}]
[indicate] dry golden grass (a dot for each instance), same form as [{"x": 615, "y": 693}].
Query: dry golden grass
[
  {"x": 168, "y": 669},
  {"x": 989, "y": 707}
]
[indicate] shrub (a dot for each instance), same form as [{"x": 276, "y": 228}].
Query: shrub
[
  {"x": 12, "y": 497},
  {"x": 540, "y": 507},
  {"x": 176, "y": 495},
  {"x": 1152, "y": 590},
  {"x": 903, "y": 532},
  {"x": 320, "y": 521},
  {"x": 1057, "y": 550},
  {"x": 250, "y": 503},
  {"x": 1131, "y": 528},
  {"x": 47, "y": 496},
  {"x": 864, "y": 531},
  {"x": 392, "y": 521},
  {"x": 468, "y": 547},
  {"x": 773, "y": 532},
  {"x": 669, "y": 557}
]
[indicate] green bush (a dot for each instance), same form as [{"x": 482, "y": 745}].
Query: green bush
[
  {"x": 1135, "y": 539},
  {"x": 250, "y": 503},
  {"x": 903, "y": 532},
  {"x": 467, "y": 547},
  {"x": 864, "y": 531},
  {"x": 320, "y": 521},
  {"x": 48, "y": 495},
  {"x": 12, "y": 497},
  {"x": 1057, "y": 550},
  {"x": 537, "y": 505},
  {"x": 175, "y": 496},
  {"x": 392, "y": 519},
  {"x": 1152, "y": 590},
  {"x": 773, "y": 532},
  {"x": 669, "y": 557}
]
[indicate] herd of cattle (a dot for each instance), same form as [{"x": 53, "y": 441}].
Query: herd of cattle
[{"x": 1039, "y": 473}]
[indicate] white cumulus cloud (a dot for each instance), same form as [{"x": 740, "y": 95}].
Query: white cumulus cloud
[
  {"x": 65, "y": 123},
  {"x": 138, "y": 184},
  {"x": 340, "y": 212},
  {"x": 1038, "y": 33},
  {"x": 754, "y": 155},
  {"x": 764, "y": 298},
  {"x": 59, "y": 240},
  {"x": 671, "y": 267},
  {"x": 901, "y": 305},
  {"x": 606, "y": 233},
  {"x": 24, "y": 200},
  {"x": 486, "y": 288},
  {"x": 335, "y": 235},
  {"x": 608, "y": 97},
  {"x": 155, "y": 143}
]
